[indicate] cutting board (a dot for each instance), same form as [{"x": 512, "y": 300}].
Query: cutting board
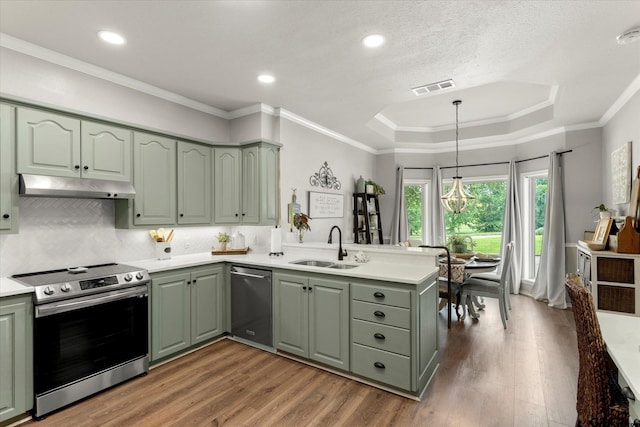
[
  {"x": 635, "y": 200},
  {"x": 628, "y": 238}
]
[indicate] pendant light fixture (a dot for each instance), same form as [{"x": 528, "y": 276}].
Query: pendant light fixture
[{"x": 457, "y": 199}]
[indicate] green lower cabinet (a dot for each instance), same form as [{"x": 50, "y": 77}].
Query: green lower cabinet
[
  {"x": 394, "y": 336},
  {"x": 311, "y": 318},
  {"x": 16, "y": 356},
  {"x": 187, "y": 308}
]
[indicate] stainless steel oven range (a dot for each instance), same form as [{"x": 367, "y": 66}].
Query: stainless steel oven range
[{"x": 90, "y": 331}]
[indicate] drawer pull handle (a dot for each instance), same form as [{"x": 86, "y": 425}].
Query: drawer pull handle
[
  {"x": 379, "y": 336},
  {"x": 379, "y": 365},
  {"x": 628, "y": 393},
  {"x": 378, "y": 313},
  {"x": 378, "y": 295}
]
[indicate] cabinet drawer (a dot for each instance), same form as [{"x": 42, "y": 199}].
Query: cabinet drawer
[
  {"x": 381, "y": 294},
  {"x": 379, "y": 313},
  {"x": 382, "y": 366},
  {"x": 389, "y": 338}
]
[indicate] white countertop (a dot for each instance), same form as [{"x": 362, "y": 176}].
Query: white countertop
[
  {"x": 389, "y": 263},
  {"x": 621, "y": 333},
  {"x": 409, "y": 272},
  {"x": 9, "y": 287}
]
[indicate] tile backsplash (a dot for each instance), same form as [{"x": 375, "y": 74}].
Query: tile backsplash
[{"x": 58, "y": 233}]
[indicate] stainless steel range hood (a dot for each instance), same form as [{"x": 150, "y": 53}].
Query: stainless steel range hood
[{"x": 79, "y": 188}]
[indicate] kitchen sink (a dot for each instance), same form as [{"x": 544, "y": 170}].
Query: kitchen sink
[
  {"x": 312, "y": 262},
  {"x": 343, "y": 266},
  {"x": 321, "y": 263}
]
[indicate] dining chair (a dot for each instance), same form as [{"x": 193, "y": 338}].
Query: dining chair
[
  {"x": 449, "y": 292},
  {"x": 475, "y": 286},
  {"x": 600, "y": 401}
]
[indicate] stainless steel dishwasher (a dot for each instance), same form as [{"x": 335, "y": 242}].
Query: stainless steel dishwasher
[{"x": 251, "y": 305}]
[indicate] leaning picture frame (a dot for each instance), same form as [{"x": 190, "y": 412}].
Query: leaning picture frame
[{"x": 602, "y": 231}]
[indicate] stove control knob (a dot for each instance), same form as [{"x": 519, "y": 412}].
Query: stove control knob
[
  {"x": 48, "y": 290},
  {"x": 139, "y": 275},
  {"x": 65, "y": 288},
  {"x": 128, "y": 277}
]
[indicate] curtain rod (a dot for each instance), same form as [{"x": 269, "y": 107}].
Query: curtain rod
[{"x": 490, "y": 164}]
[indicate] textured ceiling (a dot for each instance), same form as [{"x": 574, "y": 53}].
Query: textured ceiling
[{"x": 505, "y": 56}]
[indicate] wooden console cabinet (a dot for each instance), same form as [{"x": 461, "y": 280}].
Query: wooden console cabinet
[{"x": 614, "y": 279}]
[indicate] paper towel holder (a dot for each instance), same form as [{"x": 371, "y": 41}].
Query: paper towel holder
[{"x": 275, "y": 251}]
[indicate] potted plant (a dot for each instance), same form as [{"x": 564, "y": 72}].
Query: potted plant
[
  {"x": 374, "y": 188},
  {"x": 604, "y": 211},
  {"x": 301, "y": 222},
  {"x": 223, "y": 239},
  {"x": 460, "y": 244}
]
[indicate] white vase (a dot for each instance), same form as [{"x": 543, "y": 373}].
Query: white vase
[{"x": 605, "y": 214}]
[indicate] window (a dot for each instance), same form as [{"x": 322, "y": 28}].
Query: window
[
  {"x": 534, "y": 203},
  {"x": 483, "y": 221},
  {"x": 416, "y": 194}
]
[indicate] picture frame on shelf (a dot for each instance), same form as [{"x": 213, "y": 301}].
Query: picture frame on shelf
[{"x": 602, "y": 231}]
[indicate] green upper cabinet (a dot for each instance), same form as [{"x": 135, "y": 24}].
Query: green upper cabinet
[
  {"x": 154, "y": 178},
  {"x": 16, "y": 356},
  {"x": 246, "y": 184},
  {"x": 48, "y": 143},
  {"x": 8, "y": 178},
  {"x": 250, "y": 186},
  {"x": 194, "y": 183},
  {"x": 227, "y": 169},
  {"x": 57, "y": 145},
  {"x": 106, "y": 152},
  {"x": 311, "y": 318}
]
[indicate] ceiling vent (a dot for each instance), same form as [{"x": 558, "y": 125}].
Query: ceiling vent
[{"x": 433, "y": 87}]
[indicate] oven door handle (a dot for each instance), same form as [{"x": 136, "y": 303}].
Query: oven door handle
[{"x": 89, "y": 301}]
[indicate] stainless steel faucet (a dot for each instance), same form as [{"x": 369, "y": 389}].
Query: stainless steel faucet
[{"x": 341, "y": 253}]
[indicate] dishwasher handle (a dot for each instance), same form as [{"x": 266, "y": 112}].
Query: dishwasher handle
[{"x": 254, "y": 276}]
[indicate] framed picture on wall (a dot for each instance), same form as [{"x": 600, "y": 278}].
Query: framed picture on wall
[
  {"x": 326, "y": 205},
  {"x": 621, "y": 173}
]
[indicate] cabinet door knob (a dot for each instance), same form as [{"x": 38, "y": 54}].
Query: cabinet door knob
[
  {"x": 194, "y": 280},
  {"x": 138, "y": 215},
  {"x": 379, "y": 336},
  {"x": 86, "y": 168},
  {"x": 378, "y": 295},
  {"x": 379, "y": 365},
  {"x": 304, "y": 288},
  {"x": 243, "y": 214},
  {"x": 310, "y": 289},
  {"x": 181, "y": 215},
  {"x": 378, "y": 313},
  {"x": 77, "y": 167},
  {"x": 5, "y": 216},
  {"x": 236, "y": 214}
]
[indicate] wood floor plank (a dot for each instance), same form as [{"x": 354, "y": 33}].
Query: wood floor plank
[{"x": 488, "y": 376}]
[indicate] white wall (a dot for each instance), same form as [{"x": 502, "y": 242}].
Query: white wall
[
  {"x": 43, "y": 82},
  {"x": 623, "y": 127},
  {"x": 303, "y": 153}
]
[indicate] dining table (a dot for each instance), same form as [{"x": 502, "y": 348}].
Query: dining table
[{"x": 462, "y": 270}]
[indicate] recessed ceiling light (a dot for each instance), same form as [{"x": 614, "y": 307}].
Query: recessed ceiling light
[
  {"x": 266, "y": 78},
  {"x": 629, "y": 36},
  {"x": 373, "y": 40},
  {"x": 111, "y": 37}
]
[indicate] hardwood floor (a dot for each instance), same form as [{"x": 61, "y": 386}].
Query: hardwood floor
[{"x": 523, "y": 376}]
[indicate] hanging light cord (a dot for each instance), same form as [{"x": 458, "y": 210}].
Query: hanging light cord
[{"x": 457, "y": 104}]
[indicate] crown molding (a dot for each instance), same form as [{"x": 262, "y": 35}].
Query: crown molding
[
  {"x": 323, "y": 130},
  {"x": 624, "y": 97},
  {"x": 57, "y": 58}
]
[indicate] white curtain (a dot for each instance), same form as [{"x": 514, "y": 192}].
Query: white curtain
[
  {"x": 512, "y": 228},
  {"x": 400, "y": 224},
  {"x": 437, "y": 213},
  {"x": 549, "y": 283}
]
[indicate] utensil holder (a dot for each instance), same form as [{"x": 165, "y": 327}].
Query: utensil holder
[{"x": 163, "y": 250}]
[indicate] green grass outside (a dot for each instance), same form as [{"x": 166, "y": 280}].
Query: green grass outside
[{"x": 490, "y": 243}]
